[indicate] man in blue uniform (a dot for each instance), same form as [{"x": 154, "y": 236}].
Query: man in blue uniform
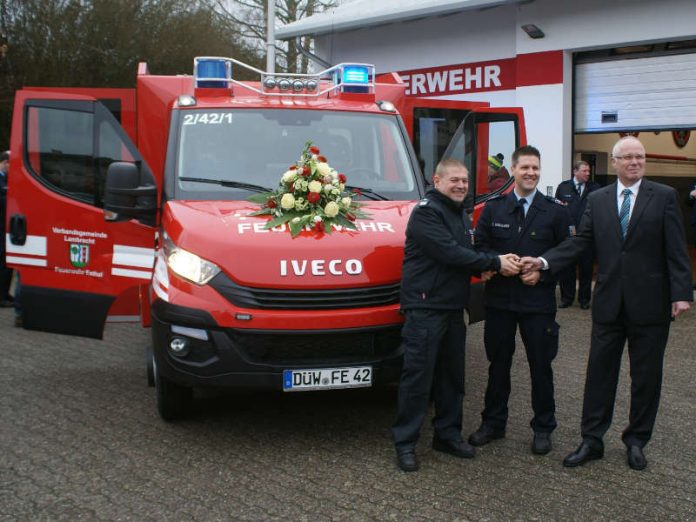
[
  {"x": 573, "y": 193},
  {"x": 522, "y": 221},
  {"x": 439, "y": 260}
]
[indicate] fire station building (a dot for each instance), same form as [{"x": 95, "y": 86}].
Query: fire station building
[{"x": 583, "y": 72}]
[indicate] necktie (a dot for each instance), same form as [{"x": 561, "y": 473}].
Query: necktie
[
  {"x": 579, "y": 189},
  {"x": 625, "y": 210},
  {"x": 520, "y": 211}
]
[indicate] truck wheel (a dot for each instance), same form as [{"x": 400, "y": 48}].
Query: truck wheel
[
  {"x": 149, "y": 365},
  {"x": 173, "y": 400}
]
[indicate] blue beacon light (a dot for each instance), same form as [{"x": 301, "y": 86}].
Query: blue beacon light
[
  {"x": 213, "y": 68},
  {"x": 358, "y": 76}
]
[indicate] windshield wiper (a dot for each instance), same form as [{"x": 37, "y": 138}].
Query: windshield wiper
[
  {"x": 368, "y": 192},
  {"x": 229, "y": 183}
]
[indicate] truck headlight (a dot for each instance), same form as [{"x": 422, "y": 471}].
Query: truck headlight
[{"x": 188, "y": 265}]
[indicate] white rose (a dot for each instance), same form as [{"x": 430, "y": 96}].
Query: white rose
[
  {"x": 335, "y": 192},
  {"x": 328, "y": 189},
  {"x": 314, "y": 186},
  {"x": 327, "y": 179},
  {"x": 289, "y": 176},
  {"x": 287, "y": 201},
  {"x": 346, "y": 202},
  {"x": 331, "y": 209},
  {"x": 323, "y": 169}
]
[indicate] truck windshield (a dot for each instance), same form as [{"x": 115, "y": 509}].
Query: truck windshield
[{"x": 230, "y": 154}]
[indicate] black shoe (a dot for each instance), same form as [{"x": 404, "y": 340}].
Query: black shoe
[
  {"x": 406, "y": 460},
  {"x": 583, "y": 454},
  {"x": 636, "y": 459},
  {"x": 565, "y": 304},
  {"x": 485, "y": 435},
  {"x": 458, "y": 448},
  {"x": 6, "y": 303},
  {"x": 585, "y": 306},
  {"x": 541, "y": 444}
]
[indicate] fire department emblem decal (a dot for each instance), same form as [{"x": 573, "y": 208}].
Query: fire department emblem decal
[{"x": 79, "y": 255}]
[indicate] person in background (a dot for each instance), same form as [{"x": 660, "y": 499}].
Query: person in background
[
  {"x": 691, "y": 201},
  {"x": 439, "y": 260},
  {"x": 528, "y": 223},
  {"x": 643, "y": 283},
  {"x": 6, "y": 300},
  {"x": 498, "y": 175},
  {"x": 573, "y": 193}
]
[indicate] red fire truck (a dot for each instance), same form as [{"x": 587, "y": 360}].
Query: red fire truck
[{"x": 134, "y": 202}]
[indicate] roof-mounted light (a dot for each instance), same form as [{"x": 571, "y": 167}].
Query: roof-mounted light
[
  {"x": 186, "y": 100},
  {"x": 355, "y": 77},
  {"x": 386, "y": 106},
  {"x": 212, "y": 73}
]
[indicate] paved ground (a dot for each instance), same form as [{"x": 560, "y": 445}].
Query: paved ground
[{"x": 80, "y": 440}]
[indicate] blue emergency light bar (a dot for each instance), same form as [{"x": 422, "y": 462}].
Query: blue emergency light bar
[{"x": 216, "y": 72}]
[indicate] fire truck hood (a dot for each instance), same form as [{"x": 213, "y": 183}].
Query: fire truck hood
[{"x": 224, "y": 233}]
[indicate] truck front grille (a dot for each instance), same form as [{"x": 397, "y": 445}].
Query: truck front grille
[
  {"x": 274, "y": 299},
  {"x": 314, "y": 348}
]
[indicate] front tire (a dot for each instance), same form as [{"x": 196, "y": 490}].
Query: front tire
[{"x": 173, "y": 400}]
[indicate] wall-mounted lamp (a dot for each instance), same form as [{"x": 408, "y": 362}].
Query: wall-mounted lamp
[{"x": 533, "y": 31}]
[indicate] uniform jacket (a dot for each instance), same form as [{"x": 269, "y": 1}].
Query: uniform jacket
[
  {"x": 498, "y": 231},
  {"x": 439, "y": 257},
  {"x": 567, "y": 194},
  {"x": 643, "y": 274}
]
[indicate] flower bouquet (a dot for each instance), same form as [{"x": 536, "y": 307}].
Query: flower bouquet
[{"x": 310, "y": 196}]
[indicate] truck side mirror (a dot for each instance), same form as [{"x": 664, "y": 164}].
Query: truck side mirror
[{"x": 130, "y": 193}]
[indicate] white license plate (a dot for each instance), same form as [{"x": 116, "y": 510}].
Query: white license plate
[{"x": 327, "y": 378}]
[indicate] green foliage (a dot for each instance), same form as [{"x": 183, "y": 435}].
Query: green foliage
[{"x": 98, "y": 43}]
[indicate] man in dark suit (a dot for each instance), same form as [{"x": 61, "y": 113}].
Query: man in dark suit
[
  {"x": 573, "y": 193},
  {"x": 643, "y": 281}
]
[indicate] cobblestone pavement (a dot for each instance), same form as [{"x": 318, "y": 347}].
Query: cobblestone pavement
[{"x": 80, "y": 439}]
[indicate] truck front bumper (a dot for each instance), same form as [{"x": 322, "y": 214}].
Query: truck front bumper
[{"x": 215, "y": 356}]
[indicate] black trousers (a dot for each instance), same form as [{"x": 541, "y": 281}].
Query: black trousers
[
  {"x": 540, "y": 337},
  {"x": 434, "y": 359},
  {"x": 646, "y": 349},
  {"x": 5, "y": 274},
  {"x": 583, "y": 270}
]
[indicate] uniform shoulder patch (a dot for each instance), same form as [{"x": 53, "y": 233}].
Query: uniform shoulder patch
[{"x": 423, "y": 202}]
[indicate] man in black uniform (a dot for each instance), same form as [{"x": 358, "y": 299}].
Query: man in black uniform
[
  {"x": 5, "y": 273},
  {"x": 439, "y": 260},
  {"x": 573, "y": 193},
  {"x": 522, "y": 221}
]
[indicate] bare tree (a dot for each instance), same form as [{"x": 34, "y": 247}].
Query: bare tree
[{"x": 251, "y": 16}]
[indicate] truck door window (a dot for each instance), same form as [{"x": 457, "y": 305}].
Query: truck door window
[
  {"x": 496, "y": 143},
  {"x": 433, "y": 129},
  {"x": 70, "y": 150}
]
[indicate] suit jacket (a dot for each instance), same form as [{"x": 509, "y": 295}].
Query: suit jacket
[
  {"x": 643, "y": 274},
  {"x": 576, "y": 204}
]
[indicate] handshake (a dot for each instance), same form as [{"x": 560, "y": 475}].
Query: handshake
[{"x": 511, "y": 265}]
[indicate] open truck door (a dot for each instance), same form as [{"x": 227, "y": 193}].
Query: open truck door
[
  {"x": 484, "y": 141},
  {"x": 74, "y": 257}
]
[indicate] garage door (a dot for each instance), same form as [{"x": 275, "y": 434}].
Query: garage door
[{"x": 636, "y": 94}]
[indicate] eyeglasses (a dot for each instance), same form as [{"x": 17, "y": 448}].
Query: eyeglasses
[{"x": 631, "y": 157}]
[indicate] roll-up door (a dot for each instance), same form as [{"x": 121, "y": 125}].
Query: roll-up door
[{"x": 656, "y": 92}]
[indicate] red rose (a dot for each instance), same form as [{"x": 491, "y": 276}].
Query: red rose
[
  {"x": 314, "y": 150},
  {"x": 350, "y": 217},
  {"x": 271, "y": 203},
  {"x": 342, "y": 178},
  {"x": 322, "y": 159},
  {"x": 313, "y": 197},
  {"x": 318, "y": 226},
  {"x": 292, "y": 167},
  {"x": 357, "y": 192},
  {"x": 306, "y": 171},
  {"x": 291, "y": 187}
]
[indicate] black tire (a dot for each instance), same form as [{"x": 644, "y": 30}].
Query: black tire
[
  {"x": 173, "y": 400},
  {"x": 149, "y": 366}
]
